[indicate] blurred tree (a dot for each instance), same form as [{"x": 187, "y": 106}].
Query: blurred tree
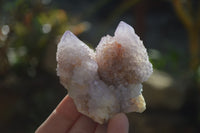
[
  {"x": 27, "y": 29},
  {"x": 189, "y": 13}
]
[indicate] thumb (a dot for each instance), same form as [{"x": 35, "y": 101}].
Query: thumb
[{"x": 118, "y": 124}]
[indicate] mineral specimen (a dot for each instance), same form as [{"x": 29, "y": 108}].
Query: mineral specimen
[{"x": 107, "y": 81}]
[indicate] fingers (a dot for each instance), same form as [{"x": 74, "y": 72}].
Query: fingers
[
  {"x": 118, "y": 124},
  {"x": 101, "y": 129},
  {"x": 61, "y": 119},
  {"x": 83, "y": 125},
  {"x": 66, "y": 118}
]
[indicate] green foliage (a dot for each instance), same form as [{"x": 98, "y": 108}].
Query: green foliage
[
  {"x": 32, "y": 27},
  {"x": 170, "y": 61}
]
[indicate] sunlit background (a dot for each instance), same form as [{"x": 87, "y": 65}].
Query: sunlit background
[{"x": 31, "y": 29}]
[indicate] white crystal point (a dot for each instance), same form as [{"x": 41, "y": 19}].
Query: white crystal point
[
  {"x": 124, "y": 29},
  {"x": 70, "y": 53},
  {"x": 107, "y": 81}
]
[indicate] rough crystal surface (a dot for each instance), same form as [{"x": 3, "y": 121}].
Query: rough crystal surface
[{"x": 107, "y": 81}]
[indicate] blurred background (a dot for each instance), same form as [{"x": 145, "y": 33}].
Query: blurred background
[{"x": 31, "y": 29}]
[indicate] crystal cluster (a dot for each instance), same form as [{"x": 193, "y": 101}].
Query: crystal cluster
[{"x": 107, "y": 81}]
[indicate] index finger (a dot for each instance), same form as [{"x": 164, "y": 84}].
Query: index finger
[{"x": 61, "y": 119}]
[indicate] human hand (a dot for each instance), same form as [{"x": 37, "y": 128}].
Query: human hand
[{"x": 66, "y": 119}]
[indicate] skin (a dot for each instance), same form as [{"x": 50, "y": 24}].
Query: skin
[{"x": 66, "y": 119}]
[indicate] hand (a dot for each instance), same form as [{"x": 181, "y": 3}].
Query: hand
[{"x": 66, "y": 119}]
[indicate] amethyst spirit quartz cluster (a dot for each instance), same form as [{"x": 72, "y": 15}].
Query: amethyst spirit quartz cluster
[{"x": 108, "y": 80}]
